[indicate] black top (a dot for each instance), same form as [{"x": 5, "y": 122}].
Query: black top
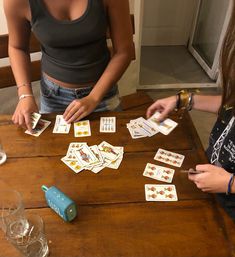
[
  {"x": 72, "y": 51},
  {"x": 226, "y": 153}
]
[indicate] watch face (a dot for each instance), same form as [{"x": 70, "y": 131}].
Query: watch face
[{"x": 71, "y": 212}]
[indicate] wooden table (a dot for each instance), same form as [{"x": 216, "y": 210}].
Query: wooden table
[{"x": 113, "y": 217}]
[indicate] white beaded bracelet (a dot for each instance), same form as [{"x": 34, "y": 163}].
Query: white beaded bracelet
[{"x": 23, "y": 96}]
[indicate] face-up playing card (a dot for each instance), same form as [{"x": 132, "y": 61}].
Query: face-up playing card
[
  {"x": 82, "y": 128},
  {"x": 107, "y": 124},
  {"x": 108, "y": 151},
  {"x": 157, "y": 193},
  {"x": 73, "y": 165},
  {"x": 146, "y": 126},
  {"x": 35, "y": 117},
  {"x": 168, "y": 157},
  {"x": 70, "y": 155},
  {"x": 135, "y": 131},
  {"x": 85, "y": 156},
  {"x": 97, "y": 154},
  {"x": 61, "y": 126},
  {"x": 165, "y": 127},
  {"x": 41, "y": 126},
  {"x": 159, "y": 173}
]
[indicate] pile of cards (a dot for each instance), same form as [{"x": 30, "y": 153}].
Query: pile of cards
[
  {"x": 164, "y": 174},
  {"x": 80, "y": 157},
  {"x": 146, "y": 128},
  {"x": 38, "y": 125}
]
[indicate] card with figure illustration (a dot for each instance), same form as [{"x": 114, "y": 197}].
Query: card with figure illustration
[
  {"x": 82, "y": 128},
  {"x": 165, "y": 127},
  {"x": 155, "y": 193},
  {"x": 160, "y": 173},
  {"x": 61, "y": 126},
  {"x": 85, "y": 156},
  {"x": 40, "y": 127},
  {"x": 169, "y": 157},
  {"x": 108, "y": 151}
]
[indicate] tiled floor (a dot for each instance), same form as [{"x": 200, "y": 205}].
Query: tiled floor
[{"x": 170, "y": 65}]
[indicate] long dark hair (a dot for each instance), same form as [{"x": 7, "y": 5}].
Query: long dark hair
[{"x": 227, "y": 62}]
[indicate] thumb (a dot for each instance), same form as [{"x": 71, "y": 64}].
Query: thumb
[{"x": 204, "y": 167}]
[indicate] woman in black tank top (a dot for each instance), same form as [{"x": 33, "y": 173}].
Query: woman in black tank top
[
  {"x": 217, "y": 176},
  {"x": 79, "y": 75}
]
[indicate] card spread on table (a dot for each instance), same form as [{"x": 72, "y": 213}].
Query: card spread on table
[
  {"x": 86, "y": 156},
  {"x": 168, "y": 157},
  {"x": 61, "y": 126},
  {"x": 70, "y": 152},
  {"x": 157, "y": 193},
  {"x": 165, "y": 127},
  {"x": 74, "y": 165},
  {"x": 82, "y": 128},
  {"x": 140, "y": 127},
  {"x": 107, "y": 124},
  {"x": 40, "y": 127},
  {"x": 80, "y": 156},
  {"x": 35, "y": 117},
  {"x": 158, "y": 172},
  {"x": 108, "y": 151}
]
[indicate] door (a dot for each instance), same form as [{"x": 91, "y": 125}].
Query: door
[
  {"x": 167, "y": 22},
  {"x": 208, "y": 32}
]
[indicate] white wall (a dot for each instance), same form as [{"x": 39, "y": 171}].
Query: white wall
[
  {"x": 3, "y": 25},
  {"x": 129, "y": 81}
]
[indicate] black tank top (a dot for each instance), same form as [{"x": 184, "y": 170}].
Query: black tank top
[{"x": 72, "y": 51}]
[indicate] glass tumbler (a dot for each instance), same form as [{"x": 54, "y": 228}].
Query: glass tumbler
[
  {"x": 33, "y": 242},
  {"x": 11, "y": 207}
]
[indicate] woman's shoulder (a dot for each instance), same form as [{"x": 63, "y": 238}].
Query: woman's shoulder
[{"x": 22, "y": 7}]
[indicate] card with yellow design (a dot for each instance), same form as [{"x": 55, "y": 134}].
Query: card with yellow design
[
  {"x": 73, "y": 165},
  {"x": 82, "y": 128}
]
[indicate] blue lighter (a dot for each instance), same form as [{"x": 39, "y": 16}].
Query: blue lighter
[{"x": 60, "y": 203}]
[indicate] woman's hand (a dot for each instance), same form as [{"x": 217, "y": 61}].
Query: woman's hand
[
  {"x": 164, "y": 106},
  {"x": 23, "y": 111},
  {"x": 213, "y": 179},
  {"x": 79, "y": 108}
]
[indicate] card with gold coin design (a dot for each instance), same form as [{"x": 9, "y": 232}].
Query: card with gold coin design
[{"x": 82, "y": 128}]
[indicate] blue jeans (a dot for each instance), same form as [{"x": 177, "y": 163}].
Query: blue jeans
[{"x": 56, "y": 99}]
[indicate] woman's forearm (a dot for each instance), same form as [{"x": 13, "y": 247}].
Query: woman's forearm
[{"x": 207, "y": 103}]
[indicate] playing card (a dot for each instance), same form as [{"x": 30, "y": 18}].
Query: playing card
[
  {"x": 40, "y": 127},
  {"x": 157, "y": 193},
  {"x": 82, "y": 128},
  {"x": 159, "y": 173},
  {"x": 135, "y": 131},
  {"x": 61, "y": 126},
  {"x": 74, "y": 165},
  {"x": 108, "y": 151},
  {"x": 168, "y": 157},
  {"x": 35, "y": 117},
  {"x": 98, "y": 155},
  {"x": 70, "y": 155},
  {"x": 116, "y": 163},
  {"x": 165, "y": 127},
  {"x": 85, "y": 156},
  {"x": 108, "y": 124},
  {"x": 145, "y": 126}
]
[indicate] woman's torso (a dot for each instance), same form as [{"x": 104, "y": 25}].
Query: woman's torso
[{"x": 73, "y": 40}]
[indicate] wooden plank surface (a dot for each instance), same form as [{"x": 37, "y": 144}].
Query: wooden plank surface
[
  {"x": 18, "y": 144},
  {"x": 109, "y": 186},
  {"x": 144, "y": 229}
]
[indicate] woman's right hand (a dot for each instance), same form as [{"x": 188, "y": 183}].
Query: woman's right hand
[
  {"x": 164, "y": 106},
  {"x": 23, "y": 111}
]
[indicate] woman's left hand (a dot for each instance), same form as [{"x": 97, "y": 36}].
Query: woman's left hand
[
  {"x": 79, "y": 108},
  {"x": 213, "y": 179}
]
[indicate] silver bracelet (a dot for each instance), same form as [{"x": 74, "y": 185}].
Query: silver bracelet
[
  {"x": 25, "y": 95},
  {"x": 190, "y": 102}
]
